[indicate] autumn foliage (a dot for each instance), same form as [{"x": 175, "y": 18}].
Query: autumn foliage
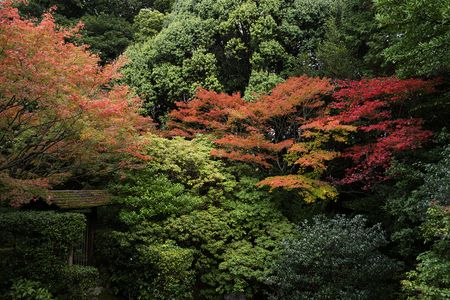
[
  {"x": 307, "y": 122},
  {"x": 374, "y": 107},
  {"x": 254, "y": 132},
  {"x": 57, "y": 106}
]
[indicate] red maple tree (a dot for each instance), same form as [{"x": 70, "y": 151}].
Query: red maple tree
[
  {"x": 57, "y": 106},
  {"x": 297, "y": 129},
  {"x": 254, "y": 132}
]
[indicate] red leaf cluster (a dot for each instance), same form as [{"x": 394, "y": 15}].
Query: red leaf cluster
[
  {"x": 300, "y": 124},
  {"x": 370, "y": 105},
  {"x": 253, "y": 132}
]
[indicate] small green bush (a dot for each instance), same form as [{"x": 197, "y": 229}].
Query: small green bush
[
  {"x": 29, "y": 290},
  {"x": 77, "y": 282},
  {"x": 335, "y": 258}
]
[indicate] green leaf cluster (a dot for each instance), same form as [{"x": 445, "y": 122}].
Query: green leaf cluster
[
  {"x": 431, "y": 277},
  {"x": 353, "y": 42},
  {"x": 29, "y": 290},
  {"x": 337, "y": 258},
  {"x": 226, "y": 46},
  {"x": 107, "y": 35},
  {"x": 419, "y": 34},
  {"x": 110, "y": 26},
  {"x": 191, "y": 229}
]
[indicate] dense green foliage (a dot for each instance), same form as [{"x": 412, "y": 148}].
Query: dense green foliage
[
  {"x": 228, "y": 45},
  {"x": 29, "y": 290},
  {"x": 353, "y": 42},
  {"x": 35, "y": 247},
  {"x": 108, "y": 25},
  {"x": 335, "y": 258},
  {"x": 428, "y": 209},
  {"x": 197, "y": 226},
  {"x": 148, "y": 23},
  {"x": 419, "y": 33},
  {"x": 106, "y": 35},
  {"x": 431, "y": 278}
]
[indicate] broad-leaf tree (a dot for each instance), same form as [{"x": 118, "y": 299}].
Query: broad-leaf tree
[
  {"x": 235, "y": 41},
  {"x": 419, "y": 35},
  {"x": 57, "y": 106}
]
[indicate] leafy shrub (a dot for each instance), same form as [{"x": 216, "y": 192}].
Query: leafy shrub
[
  {"x": 431, "y": 277},
  {"x": 189, "y": 229},
  {"x": 173, "y": 265},
  {"x": 29, "y": 290},
  {"x": 77, "y": 282},
  {"x": 145, "y": 264},
  {"x": 335, "y": 258}
]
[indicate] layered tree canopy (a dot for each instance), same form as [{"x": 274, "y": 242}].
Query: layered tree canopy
[
  {"x": 230, "y": 46},
  {"x": 267, "y": 149}
]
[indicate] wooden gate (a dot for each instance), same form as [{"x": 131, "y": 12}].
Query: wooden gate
[{"x": 83, "y": 253}]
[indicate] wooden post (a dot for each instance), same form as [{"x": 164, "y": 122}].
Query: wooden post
[
  {"x": 71, "y": 257},
  {"x": 92, "y": 218}
]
